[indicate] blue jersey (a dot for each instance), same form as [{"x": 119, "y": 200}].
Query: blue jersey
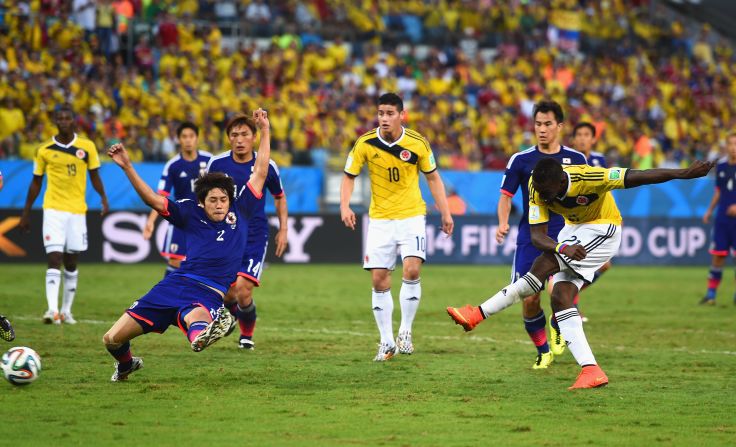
[
  {"x": 597, "y": 159},
  {"x": 726, "y": 186},
  {"x": 519, "y": 171},
  {"x": 240, "y": 173},
  {"x": 214, "y": 249},
  {"x": 180, "y": 174}
]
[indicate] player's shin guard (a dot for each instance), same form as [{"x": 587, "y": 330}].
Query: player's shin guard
[
  {"x": 571, "y": 326},
  {"x": 409, "y": 296},
  {"x": 53, "y": 281},
  {"x": 123, "y": 355},
  {"x": 523, "y": 287},
  {"x": 383, "y": 309},
  {"x": 247, "y": 320},
  {"x": 195, "y": 328},
  {"x": 536, "y": 327},
  {"x": 70, "y": 290}
]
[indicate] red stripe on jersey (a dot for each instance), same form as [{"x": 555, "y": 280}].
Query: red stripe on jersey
[
  {"x": 506, "y": 193},
  {"x": 257, "y": 195},
  {"x": 165, "y": 212},
  {"x": 163, "y": 193},
  {"x": 278, "y": 196}
]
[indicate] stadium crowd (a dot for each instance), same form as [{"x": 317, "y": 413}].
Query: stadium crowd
[{"x": 656, "y": 86}]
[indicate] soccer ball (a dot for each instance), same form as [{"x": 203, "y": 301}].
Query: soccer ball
[{"x": 21, "y": 365}]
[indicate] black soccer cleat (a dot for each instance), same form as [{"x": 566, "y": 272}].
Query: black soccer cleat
[{"x": 6, "y": 329}]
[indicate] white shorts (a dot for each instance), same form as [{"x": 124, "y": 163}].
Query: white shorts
[
  {"x": 64, "y": 231},
  {"x": 601, "y": 242},
  {"x": 389, "y": 237}
]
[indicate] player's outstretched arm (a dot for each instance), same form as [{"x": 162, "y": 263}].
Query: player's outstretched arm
[
  {"x": 437, "y": 188},
  {"x": 120, "y": 156},
  {"x": 636, "y": 178},
  {"x": 260, "y": 168}
]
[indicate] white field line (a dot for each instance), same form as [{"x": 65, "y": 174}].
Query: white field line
[{"x": 471, "y": 338}]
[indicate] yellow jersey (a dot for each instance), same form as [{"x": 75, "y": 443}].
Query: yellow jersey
[
  {"x": 393, "y": 169},
  {"x": 588, "y": 198},
  {"x": 66, "y": 167}
]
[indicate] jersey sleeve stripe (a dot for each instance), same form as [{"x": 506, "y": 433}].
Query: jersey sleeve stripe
[
  {"x": 350, "y": 175},
  {"x": 256, "y": 194},
  {"x": 279, "y": 195},
  {"x": 429, "y": 172},
  {"x": 163, "y": 193},
  {"x": 507, "y": 193}
]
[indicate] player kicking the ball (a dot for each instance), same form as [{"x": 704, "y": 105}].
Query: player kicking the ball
[
  {"x": 589, "y": 239},
  {"x": 216, "y": 229}
]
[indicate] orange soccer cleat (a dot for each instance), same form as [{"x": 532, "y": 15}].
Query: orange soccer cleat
[
  {"x": 467, "y": 316},
  {"x": 592, "y": 376}
]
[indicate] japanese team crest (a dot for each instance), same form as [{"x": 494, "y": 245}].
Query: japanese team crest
[
  {"x": 405, "y": 155},
  {"x": 566, "y": 161},
  {"x": 80, "y": 154},
  {"x": 174, "y": 248},
  {"x": 230, "y": 219},
  {"x": 582, "y": 200}
]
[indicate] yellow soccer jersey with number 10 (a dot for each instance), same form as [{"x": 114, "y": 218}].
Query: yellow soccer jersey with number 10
[
  {"x": 394, "y": 172},
  {"x": 588, "y": 198},
  {"x": 66, "y": 166}
]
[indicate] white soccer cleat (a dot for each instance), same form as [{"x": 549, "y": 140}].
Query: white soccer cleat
[
  {"x": 403, "y": 341},
  {"x": 68, "y": 318},
  {"x": 121, "y": 376},
  {"x": 214, "y": 331},
  {"x": 247, "y": 344},
  {"x": 51, "y": 317},
  {"x": 385, "y": 352}
]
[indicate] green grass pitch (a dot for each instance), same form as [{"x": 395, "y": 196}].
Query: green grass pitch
[{"x": 311, "y": 380}]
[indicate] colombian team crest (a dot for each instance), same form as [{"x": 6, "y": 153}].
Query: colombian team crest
[
  {"x": 582, "y": 200},
  {"x": 405, "y": 155},
  {"x": 80, "y": 154},
  {"x": 230, "y": 219}
]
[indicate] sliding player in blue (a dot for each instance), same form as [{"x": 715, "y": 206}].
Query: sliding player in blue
[{"x": 216, "y": 229}]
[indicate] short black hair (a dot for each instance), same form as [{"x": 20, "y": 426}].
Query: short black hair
[
  {"x": 187, "y": 125},
  {"x": 64, "y": 107},
  {"x": 211, "y": 180},
  {"x": 240, "y": 119},
  {"x": 391, "y": 99},
  {"x": 547, "y": 171},
  {"x": 582, "y": 125},
  {"x": 547, "y": 106}
]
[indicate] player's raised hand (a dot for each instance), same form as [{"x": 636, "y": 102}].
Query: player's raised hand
[
  {"x": 282, "y": 240},
  {"x": 260, "y": 116},
  {"x": 348, "y": 217},
  {"x": 448, "y": 224},
  {"x": 119, "y": 155},
  {"x": 501, "y": 232},
  {"x": 698, "y": 169},
  {"x": 576, "y": 252}
]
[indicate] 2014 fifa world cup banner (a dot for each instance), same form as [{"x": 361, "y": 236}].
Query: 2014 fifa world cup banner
[{"x": 314, "y": 238}]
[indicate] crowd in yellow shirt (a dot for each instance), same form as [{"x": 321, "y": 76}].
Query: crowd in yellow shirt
[{"x": 635, "y": 77}]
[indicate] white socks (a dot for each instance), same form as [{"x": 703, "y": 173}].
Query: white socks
[
  {"x": 70, "y": 289},
  {"x": 523, "y": 287},
  {"x": 409, "y": 296},
  {"x": 383, "y": 309},
  {"x": 571, "y": 327},
  {"x": 53, "y": 281}
]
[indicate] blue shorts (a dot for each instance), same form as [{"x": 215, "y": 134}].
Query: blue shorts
[
  {"x": 724, "y": 237},
  {"x": 524, "y": 257},
  {"x": 253, "y": 259},
  {"x": 170, "y": 301},
  {"x": 175, "y": 244}
]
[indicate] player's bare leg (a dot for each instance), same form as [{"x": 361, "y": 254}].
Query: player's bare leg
[
  {"x": 409, "y": 298},
  {"x": 53, "y": 283},
  {"x": 117, "y": 342},
  {"x": 383, "y": 308},
  {"x": 571, "y": 326},
  {"x": 241, "y": 304},
  {"x": 469, "y": 316},
  {"x": 71, "y": 275}
]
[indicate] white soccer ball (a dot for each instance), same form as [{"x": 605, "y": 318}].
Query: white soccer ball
[{"x": 21, "y": 365}]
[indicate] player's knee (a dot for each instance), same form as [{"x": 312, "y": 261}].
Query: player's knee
[
  {"x": 411, "y": 272},
  {"x": 109, "y": 340},
  {"x": 531, "y": 301},
  {"x": 54, "y": 260}
]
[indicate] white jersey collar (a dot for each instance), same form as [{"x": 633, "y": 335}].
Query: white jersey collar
[
  {"x": 65, "y": 146},
  {"x": 378, "y": 133}
]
